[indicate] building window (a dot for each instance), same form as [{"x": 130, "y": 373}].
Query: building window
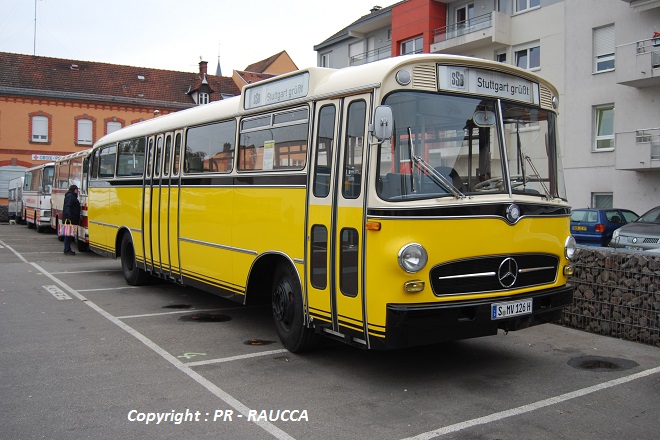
[
  {"x": 203, "y": 98},
  {"x": 602, "y": 200},
  {"x": 603, "y": 47},
  {"x": 464, "y": 14},
  {"x": 414, "y": 45},
  {"x": 85, "y": 129},
  {"x": 40, "y": 128},
  {"x": 604, "y": 128},
  {"x": 500, "y": 57},
  {"x": 529, "y": 58},
  {"x": 523, "y": 5},
  {"x": 113, "y": 124},
  {"x": 325, "y": 60}
]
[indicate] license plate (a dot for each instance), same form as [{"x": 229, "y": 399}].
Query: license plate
[
  {"x": 508, "y": 309},
  {"x": 579, "y": 228}
]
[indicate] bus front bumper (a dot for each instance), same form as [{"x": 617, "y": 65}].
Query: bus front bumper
[{"x": 422, "y": 324}]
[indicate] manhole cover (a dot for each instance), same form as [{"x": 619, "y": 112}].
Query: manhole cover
[
  {"x": 258, "y": 342},
  {"x": 204, "y": 317},
  {"x": 599, "y": 363},
  {"x": 177, "y": 306}
]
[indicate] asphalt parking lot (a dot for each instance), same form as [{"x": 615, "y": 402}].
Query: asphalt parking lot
[{"x": 85, "y": 356}]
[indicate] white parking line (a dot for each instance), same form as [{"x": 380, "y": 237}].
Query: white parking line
[
  {"x": 21, "y": 257},
  {"x": 147, "y": 315},
  {"x": 236, "y": 358},
  {"x": 532, "y": 406},
  {"x": 210, "y": 386},
  {"x": 108, "y": 288},
  {"x": 85, "y": 271}
]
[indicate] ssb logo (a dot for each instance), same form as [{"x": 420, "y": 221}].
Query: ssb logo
[
  {"x": 256, "y": 99},
  {"x": 457, "y": 78}
]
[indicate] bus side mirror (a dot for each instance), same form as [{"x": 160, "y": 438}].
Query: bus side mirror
[{"x": 383, "y": 123}]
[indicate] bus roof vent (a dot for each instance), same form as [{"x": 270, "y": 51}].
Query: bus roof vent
[{"x": 424, "y": 77}]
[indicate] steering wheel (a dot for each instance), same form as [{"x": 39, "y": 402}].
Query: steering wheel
[{"x": 490, "y": 185}]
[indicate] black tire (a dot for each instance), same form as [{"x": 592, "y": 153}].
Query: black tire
[
  {"x": 81, "y": 245},
  {"x": 133, "y": 275},
  {"x": 287, "y": 307}
]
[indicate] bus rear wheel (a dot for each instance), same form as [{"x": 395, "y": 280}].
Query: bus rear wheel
[
  {"x": 288, "y": 311},
  {"x": 133, "y": 275}
]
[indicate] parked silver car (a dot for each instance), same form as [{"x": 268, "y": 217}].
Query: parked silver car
[{"x": 642, "y": 234}]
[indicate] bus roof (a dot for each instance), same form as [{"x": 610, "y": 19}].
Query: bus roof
[
  {"x": 43, "y": 165},
  {"x": 81, "y": 153},
  {"x": 323, "y": 82}
]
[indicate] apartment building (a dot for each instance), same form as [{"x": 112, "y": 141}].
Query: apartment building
[{"x": 601, "y": 55}]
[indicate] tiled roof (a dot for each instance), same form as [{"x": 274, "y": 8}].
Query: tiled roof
[
  {"x": 261, "y": 66},
  {"x": 251, "y": 77},
  {"x": 93, "y": 81}
]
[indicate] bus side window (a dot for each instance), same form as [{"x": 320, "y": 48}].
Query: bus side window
[
  {"x": 324, "y": 147},
  {"x": 107, "y": 161},
  {"x": 177, "y": 154},
  {"x": 354, "y": 144},
  {"x": 130, "y": 160},
  {"x": 274, "y": 142},
  {"x": 210, "y": 148},
  {"x": 95, "y": 164},
  {"x": 167, "y": 155}
]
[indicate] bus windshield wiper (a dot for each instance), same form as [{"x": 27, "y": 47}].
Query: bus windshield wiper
[
  {"x": 545, "y": 188},
  {"x": 438, "y": 178}
]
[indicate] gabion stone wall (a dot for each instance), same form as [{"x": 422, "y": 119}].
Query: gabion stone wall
[{"x": 617, "y": 293}]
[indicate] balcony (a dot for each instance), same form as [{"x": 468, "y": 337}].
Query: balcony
[
  {"x": 479, "y": 32},
  {"x": 638, "y": 63},
  {"x": 643, "y": 5},
  {"x": 371, "y": 56},
  {"x": 638, "y": 150}
]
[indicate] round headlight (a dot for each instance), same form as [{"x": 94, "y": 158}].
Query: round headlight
[
  {"x": 403, "y": 77},
  {"x": 570, "y": 247},
  {"x": 413, "y": 257}
]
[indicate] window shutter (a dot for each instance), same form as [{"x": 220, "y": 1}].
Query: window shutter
[
  {"x": 604, "y": 40},
  {"x": 84, "y": 131},
  {"x": 603, "y": 44},
  {"x": 39, "y": 128}
]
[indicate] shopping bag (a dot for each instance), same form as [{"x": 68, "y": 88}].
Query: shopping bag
[{"x": 67, "y": 229}]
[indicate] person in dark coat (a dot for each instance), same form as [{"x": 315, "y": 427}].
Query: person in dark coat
[{"x": 70, "y": 212}]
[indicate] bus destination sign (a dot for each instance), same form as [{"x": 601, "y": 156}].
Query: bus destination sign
[
  {"x": 275, "y": 92},
  {"x": 489, "y": 83}
]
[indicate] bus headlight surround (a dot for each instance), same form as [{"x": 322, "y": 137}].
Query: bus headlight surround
[
  {"x": 570, "y": 247},
  {"x": 413, "y": 257}
]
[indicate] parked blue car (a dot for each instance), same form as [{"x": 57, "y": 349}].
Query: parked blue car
[{"x": 594, "y": 227}]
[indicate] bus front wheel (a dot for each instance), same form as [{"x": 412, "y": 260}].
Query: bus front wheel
[
  {"x": 133, "y": 275},
  {"x": 288, "y": 311}
]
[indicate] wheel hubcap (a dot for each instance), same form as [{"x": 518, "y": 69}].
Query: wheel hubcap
[{"x": 283, "y": 304}]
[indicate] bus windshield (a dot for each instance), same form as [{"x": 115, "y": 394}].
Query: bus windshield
[{"x": 445, "y": 145}]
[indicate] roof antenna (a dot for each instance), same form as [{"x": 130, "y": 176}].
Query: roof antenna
[{"x": 34, "y": 47}]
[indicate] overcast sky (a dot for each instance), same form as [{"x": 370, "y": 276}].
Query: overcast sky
[{"x": 174, "y": 34}]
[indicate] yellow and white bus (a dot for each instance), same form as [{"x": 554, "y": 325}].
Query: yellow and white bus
[{"x": 408, "y": 201}]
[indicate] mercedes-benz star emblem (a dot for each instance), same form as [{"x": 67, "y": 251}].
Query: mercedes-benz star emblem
[{"x": 508, "y": 272}]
